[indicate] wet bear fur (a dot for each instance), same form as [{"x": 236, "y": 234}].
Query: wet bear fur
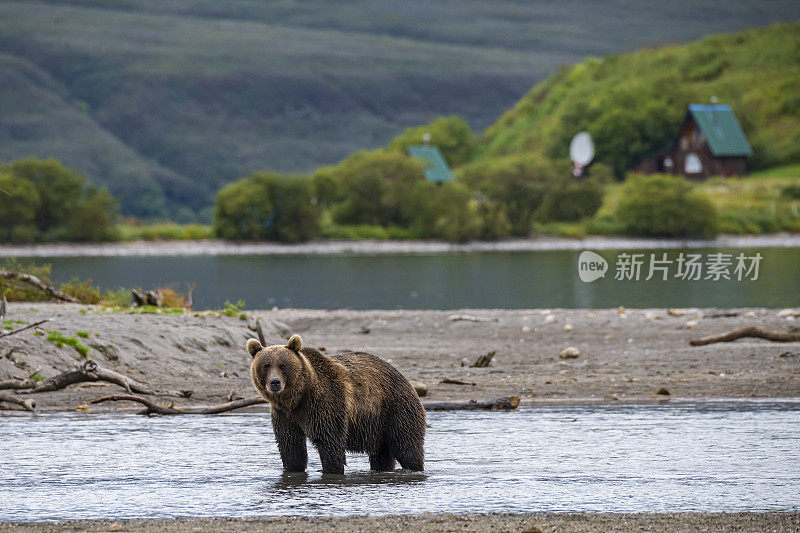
[{"x": 347, "y": 402}]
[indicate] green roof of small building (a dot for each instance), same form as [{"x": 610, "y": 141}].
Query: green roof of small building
[
  {"x": 723, "y": 132},
  {"x": 436, "y": 168}
]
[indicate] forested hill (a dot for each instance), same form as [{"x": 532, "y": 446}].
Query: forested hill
[
  {"x": 164, "y": 101},
  {"x": 632, "y": 103}
]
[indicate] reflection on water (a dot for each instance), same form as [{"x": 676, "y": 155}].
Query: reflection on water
[
  {"x": 299, "y": 479},
  {"x": 713, "y": 456},
  {"x": 500, "y": 280}
]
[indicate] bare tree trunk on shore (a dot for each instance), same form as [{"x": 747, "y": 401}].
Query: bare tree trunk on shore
[
  {"x": 90, "y": 371},
  {"x": 39, "y": 284},
  {"x": 750, "y": 331},
  {"x": 154, "y": 408},
  {"x": 500, "y": 404}
]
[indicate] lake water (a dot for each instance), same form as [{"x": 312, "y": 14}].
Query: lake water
[
  {"x": 505, "y": 280},
  {"x": 703, "y": 456}
]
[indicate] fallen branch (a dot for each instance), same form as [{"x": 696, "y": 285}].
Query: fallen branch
[
  {"x": 29, "y": 326},
  {"x": 91, "y": 371},
  {"x": 750, "y": 331},
  {"x": 153, "y": 408},
  {"x": 17, "y": 384},
  {"x": 28, "y": 405},
  {"x": 501, "y": 404},
  {"x": 39, "y": 284}
]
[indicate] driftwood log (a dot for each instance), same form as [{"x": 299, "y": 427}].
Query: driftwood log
[
  {"x": 500, "y": 404},
  {"x": 39, "y": 284},
  {"x": 17, "y": 384},
  {"x": 152, "y": 408},
  {"x": 90, "y": 371},
  {"x": 28, "y": 405},
  {"x": 19, "y": 330},
  {"x": 154, "y": 298},
  {"x": 750, "y": 331}
]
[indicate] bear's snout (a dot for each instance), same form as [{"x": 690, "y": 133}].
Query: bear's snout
[{"x": 275, "y": 385}]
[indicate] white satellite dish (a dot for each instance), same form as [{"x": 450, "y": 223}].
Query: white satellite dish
[{"x": 581, "y": 151}]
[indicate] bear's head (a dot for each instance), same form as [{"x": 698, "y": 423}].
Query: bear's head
[{"x": 276, "y": 369}]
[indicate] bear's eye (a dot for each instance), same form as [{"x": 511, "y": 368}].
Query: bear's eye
[{"x": 282, "y": 366}]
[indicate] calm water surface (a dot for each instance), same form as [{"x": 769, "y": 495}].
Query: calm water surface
[
  {"x": 501, "y": 280},
  {"x": 708, "y": 456}
]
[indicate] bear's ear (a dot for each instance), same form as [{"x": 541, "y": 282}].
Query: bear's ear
[
  {"x": 253, "y": 346},
  {"x": 295, "y": 343}
]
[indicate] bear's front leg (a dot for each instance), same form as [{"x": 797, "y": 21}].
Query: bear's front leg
[
  {"x": 332, "y": 455},
  {"x": 291, "y": 442},
  {"x": 329, "y": 436}
]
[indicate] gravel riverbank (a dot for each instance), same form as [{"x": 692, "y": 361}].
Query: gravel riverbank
[
  {"x": 621, "y": 355},
  {"x": 531, "y": 523}
]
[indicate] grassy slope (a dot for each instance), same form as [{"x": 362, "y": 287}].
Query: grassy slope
[
  {"x": 164, "y": 101},
  {"x": 619, "y": 98}
]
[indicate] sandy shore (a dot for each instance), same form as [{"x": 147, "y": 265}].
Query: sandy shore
[
  {"x": 372, "y": 247},
  {"x": 624, "y": 356},
  {"x": 531, "y": 523}
]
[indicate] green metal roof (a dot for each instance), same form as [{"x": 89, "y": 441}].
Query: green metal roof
[
  {"x": 723, "y": 133},
  {"x": 436, "y": 168}
]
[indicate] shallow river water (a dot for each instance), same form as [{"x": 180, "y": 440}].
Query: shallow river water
[{"x": 704, "y": 456}]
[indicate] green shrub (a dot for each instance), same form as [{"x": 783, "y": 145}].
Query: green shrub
[
  {"x": 120, "y": 297},
  {"x": 665, "y": 206},
  {"x": 516, "y": 185},
  {"x": 377, "y": 188},
  {"x": 18, "y": 207},
  {"x": 47, "y": 201},
  {"x": 268, "y": 206},
  {"x": 83, "y": 290},
  {"x": 448, "y": 211},
  {"x": 572, "y": 201},
  {"x": 233, "y": 310}
]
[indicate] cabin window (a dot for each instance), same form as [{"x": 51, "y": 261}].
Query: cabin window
[
  {"x": 668, "y": 162},
  {"x": 692, "y": 164}
]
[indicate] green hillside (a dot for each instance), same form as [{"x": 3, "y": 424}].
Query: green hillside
[
  {"x": 166, "y": 101},
  {"x": 633, "y": 103}
]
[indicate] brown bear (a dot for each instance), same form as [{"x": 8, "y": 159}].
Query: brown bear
[{"x": 352, "y": 401}]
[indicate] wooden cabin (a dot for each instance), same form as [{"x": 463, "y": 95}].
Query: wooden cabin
[{"x": 710, "y": 142}]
